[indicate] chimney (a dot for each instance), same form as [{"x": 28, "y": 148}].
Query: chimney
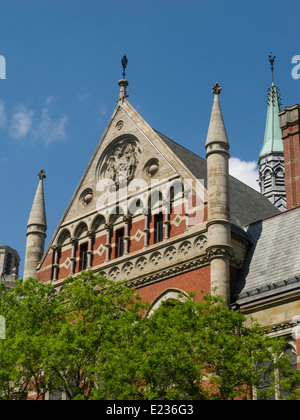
[{"x": 290, "y": 126}]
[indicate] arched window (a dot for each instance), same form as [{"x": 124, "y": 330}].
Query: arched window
[{"x": 170, "y": 295}]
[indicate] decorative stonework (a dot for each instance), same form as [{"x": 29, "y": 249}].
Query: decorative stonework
[
  {"x": 120, "y": 125},
  {"x": 86, "y": 197},
  {"x": 185, "y": 248},
  {"x": 128, "y": 269},
  {"x": 114, "y": 273},
  {"x": 155, "y": 259},
  {"x": 152, "y": 167},
  {"x": 141, "y": 264},
  {"x": 101, "y": 249},
  {"x": 138, "y": 236},
  {"x": 170, "y": 253},
  {"x": 67, "y": 263},
  {"x": 201, "y": 242},
  {"x": 122, "y": 164}
]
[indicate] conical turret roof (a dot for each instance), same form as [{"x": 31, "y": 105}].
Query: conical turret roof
[
  {"x": 273, "y": 137},
  {"x": 38, "y": 211},
  {"x": 216, "y": 131}
]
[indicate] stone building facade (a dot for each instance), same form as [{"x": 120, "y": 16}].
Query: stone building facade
[
  {"x": 9, "y": 265},
  {"x": 169, "y": 222}
]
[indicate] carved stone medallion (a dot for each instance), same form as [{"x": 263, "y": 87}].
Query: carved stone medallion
[{"x": 122, "y": 164}]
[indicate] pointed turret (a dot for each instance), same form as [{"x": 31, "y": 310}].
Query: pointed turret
[
  {"x": 219, "y": 228},
  {"x": 36, "y": 231},
  {"x": 271, "y": 157},
  {"x": 273, "y": 137},
  {"x": 216, "y": 131}
]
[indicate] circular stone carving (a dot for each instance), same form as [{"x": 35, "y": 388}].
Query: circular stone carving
[
  {"x": 86, "y": 197},
  {"x": 152, "y": 167},
  {"x": 120, "y": 124},
  {"x": 200, "y": 242},
  {"x": 114, "y": 273},
  {"x": 155, "y": 259},
  {"x": 185, "y": 248},
  {"x": 119, "y": 163},
  {"x": 141, "y": 263},
  {"x": 170, "y": 253},
  {"x": 127, "y": 269}
]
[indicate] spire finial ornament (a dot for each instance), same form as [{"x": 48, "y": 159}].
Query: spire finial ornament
[
  {"x": 42, "y": 175},
  {"x": 216, "y": 89},
  {"x": 271, "y": 60},
  {"x": 124, "y": 65}
]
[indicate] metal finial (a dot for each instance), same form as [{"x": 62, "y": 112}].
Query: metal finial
[
  {"x": 124, "y": 65},
  {"x": 271, "y": 60},
  {"x": 216, "y": 89},
  {"x": 42, "y": 175}
]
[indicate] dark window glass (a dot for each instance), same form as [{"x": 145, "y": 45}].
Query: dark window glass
[
  {"x": 83, "y": 256},
  {"x": 120, "y": 243},
  {"x": 159, "y": 228}
]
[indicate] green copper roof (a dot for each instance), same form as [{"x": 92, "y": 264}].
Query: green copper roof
[{"x": 273, "y": 137}]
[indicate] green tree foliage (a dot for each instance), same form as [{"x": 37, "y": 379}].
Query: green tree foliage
[{"x": 92, "y": 340}]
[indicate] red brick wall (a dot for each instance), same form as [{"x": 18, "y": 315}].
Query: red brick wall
[
  {"x": 291, "y": 144},
  {"x": 193, "y": 281},
  {"x": 177, "y": 227}
]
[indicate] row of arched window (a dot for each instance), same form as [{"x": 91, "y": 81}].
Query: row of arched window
[{"x": 157, "y": 227}]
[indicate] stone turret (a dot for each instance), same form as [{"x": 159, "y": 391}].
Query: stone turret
[
  {"x": 218, "y": 224},
  {"x": 36, "y": 231},
  {"x": 271, "y": 157}
]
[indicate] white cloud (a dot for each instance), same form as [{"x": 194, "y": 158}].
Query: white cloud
[
  {"x": 50, "y": 130},
  {"x": 102, "y": 110},
  {"x": 21, "y": 122},
  {"x": 83, "y": 95},
  {"x": 50, "y": 99},
  {"x": 246, "y": 172},
  {"x": 2, "y": 114}
]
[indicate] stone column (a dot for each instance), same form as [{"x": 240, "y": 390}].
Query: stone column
[
  {"x": 167, "y": 223},
  {"x": 146, "y": 214},
  {"x": 90, "y": 252},
  {"x": 74, "y": 242},
  {"x": 56, "y": 249},
  {"x": 218, "y": 226},
  {"x": 127, "y": 220},
  {"x": 108, "y": 227}
]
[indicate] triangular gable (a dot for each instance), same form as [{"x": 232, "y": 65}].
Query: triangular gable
[{"x": 127, "y": 136}]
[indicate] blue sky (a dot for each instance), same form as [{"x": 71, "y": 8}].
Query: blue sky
[{"x": 63, "y": 65}]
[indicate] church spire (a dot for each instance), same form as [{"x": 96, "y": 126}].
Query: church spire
[
  {"x": 36, "y": 230},
  {"x": 271, "y": 157},
  {"x": 273, "y": 138}
]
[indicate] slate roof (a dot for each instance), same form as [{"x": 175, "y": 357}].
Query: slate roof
[
  {"x": 272, "y": 264},
  {"x": 246, "y": 205}
]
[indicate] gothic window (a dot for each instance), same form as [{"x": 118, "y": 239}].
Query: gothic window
[
  {"x": 8, "y": 264},
  {"x": 271, "y": 375},
  {"x": 158, "y": 227},
  {"x": 120, "y": 243},
  {"x": 83, "y": 256},
  {"x": 279, "y": 177},
  {"x": 268, "y": 179}
]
